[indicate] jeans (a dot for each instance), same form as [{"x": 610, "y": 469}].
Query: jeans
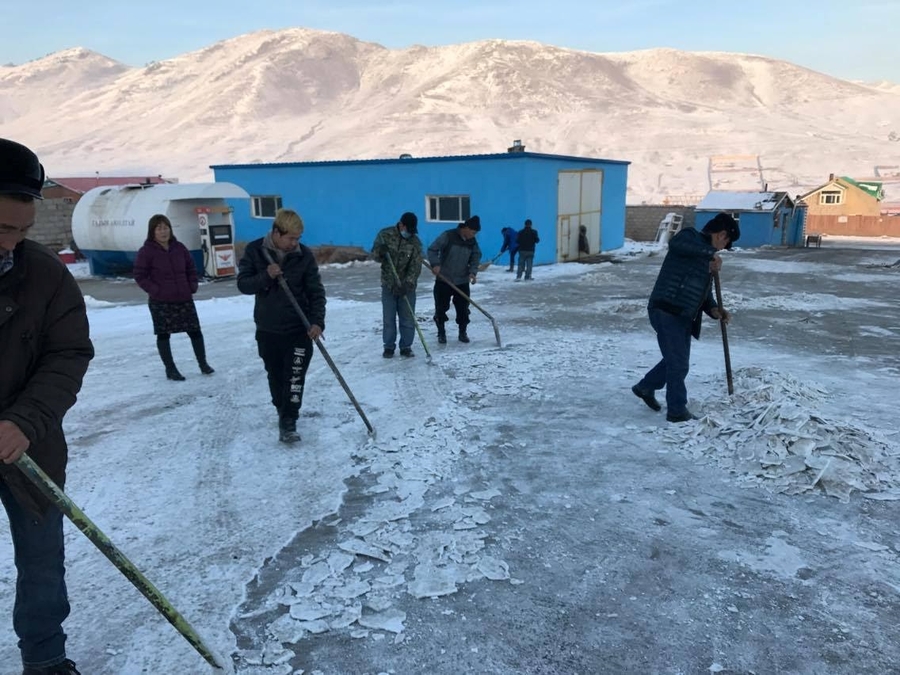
[
  {"x": 394, "y": 308},
  {"x": 286, "y": 358},
  {"x": 526, "y": 258},
  {"x": 673, "y": 334},
  {"x": 42, "y": 603},
  {"x": 512, "y": 260}
]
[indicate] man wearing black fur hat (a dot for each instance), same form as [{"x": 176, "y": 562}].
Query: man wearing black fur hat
[
  {"x": 454, "y": 255},
  {"x": 46, "y": 347},
  {"x": 684, "y": 288}
]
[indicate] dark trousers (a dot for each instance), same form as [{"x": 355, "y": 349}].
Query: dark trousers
[
  {"x": 443, "y": 294},
  {"x": 512, "y": 260},
  {"x": 673, "y": 334},
  {"x": 164, "y": 346},
  {"x": 286, "y": 358},
  {"x": 42, "y": 603}
]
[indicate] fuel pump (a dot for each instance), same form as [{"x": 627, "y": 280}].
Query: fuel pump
[{"x": 216, "y": 240}]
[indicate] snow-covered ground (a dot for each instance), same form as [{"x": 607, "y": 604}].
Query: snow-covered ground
[{"x": 518, "y": 510}]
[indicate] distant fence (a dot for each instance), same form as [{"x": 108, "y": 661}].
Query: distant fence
[
  {"x": 854, "y": 226},
  {"x": 642, "y": 221}
]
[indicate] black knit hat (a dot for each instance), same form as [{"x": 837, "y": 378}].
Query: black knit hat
[
  {"x": 410, "y": 221},
  {"x": 20, "y": 171},
  {"x": 723, "y": 222},
  {"x": 473, "y": 223}
]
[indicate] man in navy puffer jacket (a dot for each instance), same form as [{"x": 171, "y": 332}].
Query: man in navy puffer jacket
[{"x": 683, "y": 289}]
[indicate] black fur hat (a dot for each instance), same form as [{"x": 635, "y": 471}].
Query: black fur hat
[{"x": 473, "y": 223}]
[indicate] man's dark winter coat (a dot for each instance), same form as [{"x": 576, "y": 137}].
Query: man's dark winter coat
[
  {"x": 457, "y": 257},
  {"x": 528, "y": 238},
  {"x": 273, "y": 311},
  {"x": 167, "y": 275},
  {"x": 684, "y": 284},
  {"x": 45, "y": 348}
]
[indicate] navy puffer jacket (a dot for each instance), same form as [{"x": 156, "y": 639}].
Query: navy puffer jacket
[{"x": 684, "y": 284}]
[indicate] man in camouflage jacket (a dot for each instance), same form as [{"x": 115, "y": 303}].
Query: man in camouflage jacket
[{"x": 399, "y": 244}]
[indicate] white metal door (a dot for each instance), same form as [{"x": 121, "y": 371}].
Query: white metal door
[{"x": 579, "y": 201}]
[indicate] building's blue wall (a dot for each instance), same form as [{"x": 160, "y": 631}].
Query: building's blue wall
[
  {"x": 347, "y": 203},
  {"x": 757, "y": 227},
  {"x": 542, "y": 197}
]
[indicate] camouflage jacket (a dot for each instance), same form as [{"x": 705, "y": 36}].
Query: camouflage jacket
[{"x": 406, "y": 255}]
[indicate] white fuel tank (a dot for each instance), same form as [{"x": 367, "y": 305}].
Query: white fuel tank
[{"x": 110, "y": 224}]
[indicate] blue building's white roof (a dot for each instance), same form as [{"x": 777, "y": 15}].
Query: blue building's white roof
[
  {"x": 408, "y": 160},
  {"x": 736, "y": 200}
]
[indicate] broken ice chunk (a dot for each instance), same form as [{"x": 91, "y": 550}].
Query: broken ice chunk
[
  {"x": 347, "y": 618},
  {"x": 316, "y": 574},
  {"x": 274, "y": 654},
  {"x": 338, "y": 561},
  {"x": 285, "y": 629},
  {"x": 492, "y": 568},
  {"x": 354, "y": 589},
  {"x": 307, "y": 611},
  {"x": 432, "y": 582},
  {"x": 390, "y": 620},
  {"x": 359, "y": 547}
]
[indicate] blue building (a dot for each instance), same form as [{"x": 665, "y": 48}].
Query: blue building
[
  {"x": 765, "y": 218},
  {"x": 345, "y": 203}
]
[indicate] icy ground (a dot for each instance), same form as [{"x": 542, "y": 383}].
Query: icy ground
[{"x": 519, "y": 510}]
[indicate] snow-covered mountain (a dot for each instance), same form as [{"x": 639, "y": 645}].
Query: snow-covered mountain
[{"x": 301, "y": 94}]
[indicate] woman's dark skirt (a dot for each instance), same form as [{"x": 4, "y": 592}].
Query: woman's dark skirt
[{"x": 174, "y": 317}]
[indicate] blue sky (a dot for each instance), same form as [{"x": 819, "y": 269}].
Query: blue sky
[{"x": 853, "y": 40}]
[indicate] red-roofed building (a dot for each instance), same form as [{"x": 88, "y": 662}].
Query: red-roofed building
[
  {"x": 71, "y": 189},
  {"x": 53, "y": 224}
]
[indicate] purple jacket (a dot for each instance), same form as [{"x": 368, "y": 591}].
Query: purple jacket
[{"x": 167, "y": 276}]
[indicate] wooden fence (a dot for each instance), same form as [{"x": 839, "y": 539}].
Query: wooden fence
[{"x": 854, "y": 226}]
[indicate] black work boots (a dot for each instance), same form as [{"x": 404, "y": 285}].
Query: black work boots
[
  {"x": 67, "y": 667},
  {"x": 287, "y": 430}
]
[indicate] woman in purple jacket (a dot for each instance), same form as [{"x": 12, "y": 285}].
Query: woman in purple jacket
[{"x": 165, "y": 269}]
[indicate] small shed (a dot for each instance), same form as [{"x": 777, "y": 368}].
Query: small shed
[
  {"x": 765, "y": 218},
  {"x": 346, "y": 202}
]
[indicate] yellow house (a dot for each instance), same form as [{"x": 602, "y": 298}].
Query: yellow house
[
  {"x": 844, "y": 197},
  {"x": 848, "y": 207}
]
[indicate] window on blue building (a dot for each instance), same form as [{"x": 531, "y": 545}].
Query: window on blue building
[
  {"x": 265, "y": 206},
  {"x": 448, "y": 208}
]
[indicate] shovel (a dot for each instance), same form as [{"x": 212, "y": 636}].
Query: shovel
[
  {"x": 483, "y": 266},
  {"x": 724, "y": 335}
]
